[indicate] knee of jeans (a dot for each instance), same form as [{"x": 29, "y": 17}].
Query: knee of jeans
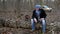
[
  {"x": 43, "y": 22},
  {"x": 32, "y": 21}
]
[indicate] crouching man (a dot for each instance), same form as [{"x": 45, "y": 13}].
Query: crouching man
[{"x": 38, "y": 15}]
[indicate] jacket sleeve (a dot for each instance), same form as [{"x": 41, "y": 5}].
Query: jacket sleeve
[
  {"x": 43, "y": 14},
  {"x": 33, "y": 15}
]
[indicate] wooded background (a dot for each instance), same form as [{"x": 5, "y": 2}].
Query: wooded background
[{"x": 14, "y": 9}]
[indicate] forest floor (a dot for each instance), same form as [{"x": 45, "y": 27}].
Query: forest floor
[{"x": 8, "y": 30}]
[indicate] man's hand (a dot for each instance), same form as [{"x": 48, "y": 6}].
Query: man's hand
[
  {"x": 35, "y": 20},
  {"x": 42, "y": 18}
]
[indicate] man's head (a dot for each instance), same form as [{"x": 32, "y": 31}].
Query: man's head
[{"x": 37, "y": 7}]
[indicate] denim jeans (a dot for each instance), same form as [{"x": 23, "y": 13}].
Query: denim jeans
[
  {"x": 33, "y": 24},
  {"x": 43, "y": 25}
]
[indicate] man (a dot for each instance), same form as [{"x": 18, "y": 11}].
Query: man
[{"x": 38, "y": 15}]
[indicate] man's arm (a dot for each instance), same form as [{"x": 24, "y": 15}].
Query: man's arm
[
  {"x": 43, "y": 14},
  {"x": 33, "y": 15}
]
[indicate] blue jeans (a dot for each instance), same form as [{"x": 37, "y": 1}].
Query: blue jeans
[
  {"x": 43, "y": 25},
  {"x": 33, "y": 24}
]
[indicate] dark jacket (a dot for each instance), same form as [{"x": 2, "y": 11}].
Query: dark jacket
[{"x": 42, "y": 14}]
